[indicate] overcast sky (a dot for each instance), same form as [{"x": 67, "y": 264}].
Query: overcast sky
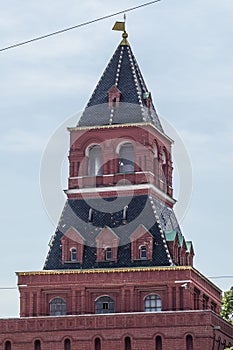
[{"x": 184, "y": 49}]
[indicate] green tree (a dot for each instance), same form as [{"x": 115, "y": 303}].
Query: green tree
[{"x": 227, "y": 306}]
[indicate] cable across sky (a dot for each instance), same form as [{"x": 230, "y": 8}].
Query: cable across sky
[{"x": 78, "y": 26}]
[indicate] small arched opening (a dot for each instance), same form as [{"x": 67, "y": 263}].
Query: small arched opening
[
  {"x": 189, "y": 342},
  {"x": 67, "y": 344},
  {"x": 37, "y": 345},
  {"x": 97, "y": 344},
  {"x": 127, "y": 343},
  {"x": 8, "y": 345},
  {"x": 158, "y": 343}
]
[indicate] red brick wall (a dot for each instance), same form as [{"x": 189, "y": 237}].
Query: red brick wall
[
  {"x": 142, "y": 328},
  {"x": 127, "y": 287}
]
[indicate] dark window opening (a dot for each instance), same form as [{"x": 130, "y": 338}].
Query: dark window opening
[
  {"x": 127, "y": 343},
  {"x": 67, "y": 344},
  {"x": 37, "y": 345},
  {"x": 7, "y": 345},
  {"x": 158, "y": 343},
  {"x": 97, "y": 344},
  {"x": 189, "y": 342},
  {"x": 196, "y": 299},
  {"x": 205, "y": 300}
]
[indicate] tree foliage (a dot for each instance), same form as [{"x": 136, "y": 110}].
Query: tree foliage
[{"x": 227, "y": 306}]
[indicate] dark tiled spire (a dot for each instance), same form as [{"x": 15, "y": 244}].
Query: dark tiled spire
[{"x": 134, "y": 105}]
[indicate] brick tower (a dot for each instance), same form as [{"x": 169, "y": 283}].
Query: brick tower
[{"x": 119, "y": 271}]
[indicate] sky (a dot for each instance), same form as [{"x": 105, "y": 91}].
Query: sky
[{"x": 184, "y": 50}]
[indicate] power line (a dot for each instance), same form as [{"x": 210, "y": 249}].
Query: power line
[
  {"x": 220, "y": 277},
  {"x": 78, "y": 25}
]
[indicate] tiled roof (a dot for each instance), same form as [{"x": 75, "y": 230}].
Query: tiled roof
[
  {"x": 108, "y": 212},
  {"x": 122, "y": 72}
]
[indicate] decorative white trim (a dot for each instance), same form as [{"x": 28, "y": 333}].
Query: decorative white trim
[{"x": 122, "y": 188}]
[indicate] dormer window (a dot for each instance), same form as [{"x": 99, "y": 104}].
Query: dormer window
[
  {"x": 114, "y": 95},
  {"x": 143, "y": 252},
  {"x": 73, "y": 254},
  {"x": 108, "y": 253}
]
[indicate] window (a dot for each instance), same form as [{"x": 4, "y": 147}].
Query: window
[
  {"x": 7, "y": 345},
  {"x": 164, "y": 166},
  {"x": 155, "y": 152},
  {"x": 67, "y": 345},
  {"x": 97, "y": 344},
  {"x": 189, "y": 342},
  {"x": 57, "y": 307},
  {"x": 127, "y": 343},
  {"x": 196, "y": 296},
  {"x": 108, "y": 253},
  {"x": 95, "y": 161},
  {"x": 143, "y": 253},
  {"x": 158, "y": 343},
  {"x": 126, "y": 156},
  {"x": 152, "y": 303},
  {"x": 213, "y": 306},
  {"x": 205, "y": 300},
  {"x": 73, "y": 254},
  {"x": 37, "y": 345},
  {"x": 104, "y": 305}
]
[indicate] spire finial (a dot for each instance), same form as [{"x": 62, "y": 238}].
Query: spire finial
[{"x": 121, "y": 27}]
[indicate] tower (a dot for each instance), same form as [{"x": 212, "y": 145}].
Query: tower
[{"x": 119, "y": 271}]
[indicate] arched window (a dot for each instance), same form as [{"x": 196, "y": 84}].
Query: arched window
[
  {"x": 158, "y": 343},
  {"x": 108, "y": 254},
  {"x": 155, "y": 153},
  {"x": 67, "y": 344},
  {"x": 73, "y": 254},
  {"x": 104, "y": 305},
  {"x": 143, "y": 252},
  {"x": 164, "y": 166},
  {"x": 37, "y": 345},
  {"x": 126, "y": 158},
  {"x": 97, "y": 344},
  {"x": 127, "y": 343},
  {"x": 152, "y": 303},
  {"x": 189, "y": 342},
  {"x": 57, "y": 307},
  {"x": 7, "y": 345},
  {"x": 95, "y": 161}
]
